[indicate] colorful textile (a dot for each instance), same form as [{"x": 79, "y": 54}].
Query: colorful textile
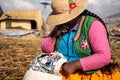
[
  {"x": 48, "y": 63},
  {"x": 100, "y": 57},
  {"x": 95, "y": 76},
  {"x": 65, "y": 45},
  {"x": 75, "y": 49},
  {"x": 47, "y": 45},
  {"x": 100, "y": 47},
  {"x": 97, "y": 29},
  {"x": 72, "y": 4},
  {"x": 83, "y": 41},
  {"x": 37, "y": 75}
]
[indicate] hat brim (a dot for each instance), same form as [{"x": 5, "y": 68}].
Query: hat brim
[{"x": 56, "y": 19}]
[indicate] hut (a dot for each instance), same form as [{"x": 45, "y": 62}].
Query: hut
[{"x": 22, "y": 19}]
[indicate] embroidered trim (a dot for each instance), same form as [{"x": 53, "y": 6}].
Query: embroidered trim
[
  {"x": 77, "y": 35},
  {"x": 84, "y": 44},
  {"x": 45, "y": 63},
  {"x": 72, "y": 4},
  {"x": 48, "y": 63}
]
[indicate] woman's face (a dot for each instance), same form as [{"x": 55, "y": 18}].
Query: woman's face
[{"x": 71, "y": 23}]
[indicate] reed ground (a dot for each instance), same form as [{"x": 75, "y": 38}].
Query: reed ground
[{"x": 17, "y": 53}]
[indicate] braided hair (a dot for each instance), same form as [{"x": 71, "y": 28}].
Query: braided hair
[{"x": 86, "y": 12}]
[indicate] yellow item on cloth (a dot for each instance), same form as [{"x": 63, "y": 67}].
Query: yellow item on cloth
[{"x": 95, "y": 76}]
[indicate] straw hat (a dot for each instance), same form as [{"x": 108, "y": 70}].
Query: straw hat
[{"x": 65, "y": 10}]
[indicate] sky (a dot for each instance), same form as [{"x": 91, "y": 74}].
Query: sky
[{"x": 102, "y": 8}]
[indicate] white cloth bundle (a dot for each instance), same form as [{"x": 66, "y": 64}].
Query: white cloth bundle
[{"x": 47, "y": 65}]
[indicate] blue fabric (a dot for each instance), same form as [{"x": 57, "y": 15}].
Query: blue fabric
[{"x": 66, "y": 46}]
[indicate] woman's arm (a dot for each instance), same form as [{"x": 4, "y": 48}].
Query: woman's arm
[
  {"x": 100, "y": 46},
  {"x": 47, "y": 44}
]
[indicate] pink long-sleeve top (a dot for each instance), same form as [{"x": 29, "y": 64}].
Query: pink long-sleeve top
[{"x": 99, "y": 43}]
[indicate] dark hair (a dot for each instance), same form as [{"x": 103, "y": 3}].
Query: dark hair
[{"x": 86, "y": 12}]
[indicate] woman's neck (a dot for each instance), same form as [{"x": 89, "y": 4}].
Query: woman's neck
[{"x": 74, "y": 22}]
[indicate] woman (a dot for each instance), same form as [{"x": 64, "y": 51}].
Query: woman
[{"x": 81, "y": 38}]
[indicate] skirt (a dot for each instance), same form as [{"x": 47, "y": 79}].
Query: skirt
[{"x": 95, "y": 76}]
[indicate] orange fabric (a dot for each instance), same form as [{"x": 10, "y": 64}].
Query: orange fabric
[
  {"x": 106, "y": 77},
  {"x": 116, "y": 76},
  {"x": 95, "y": 76}
]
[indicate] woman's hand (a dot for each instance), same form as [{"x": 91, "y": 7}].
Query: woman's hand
[
  {"x": 70, "y": 68},
  {"x": 58, "y": 30}
]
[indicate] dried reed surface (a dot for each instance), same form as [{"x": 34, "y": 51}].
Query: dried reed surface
[
  {"x": 17, "y": 53},
  {"x": 115, "y": 50}
]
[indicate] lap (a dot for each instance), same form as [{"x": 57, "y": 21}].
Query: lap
[
  {"x": 94, "y": 76},
  {"x": 39, "y": 65},
  {"x": 37, "y": 75}
]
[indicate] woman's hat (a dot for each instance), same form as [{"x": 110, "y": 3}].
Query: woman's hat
[{"x": 65, "y": 10}]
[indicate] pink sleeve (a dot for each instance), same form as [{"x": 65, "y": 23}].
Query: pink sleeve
[
  {"x": 47, "y": 44},
  {"x": 100, "y": 46}
]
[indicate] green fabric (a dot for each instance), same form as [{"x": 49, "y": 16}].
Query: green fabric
[
  {"x": 70, "y": 1},
  {"x": 57, "y": 43},
  {"x": 84, "y": 35}
]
